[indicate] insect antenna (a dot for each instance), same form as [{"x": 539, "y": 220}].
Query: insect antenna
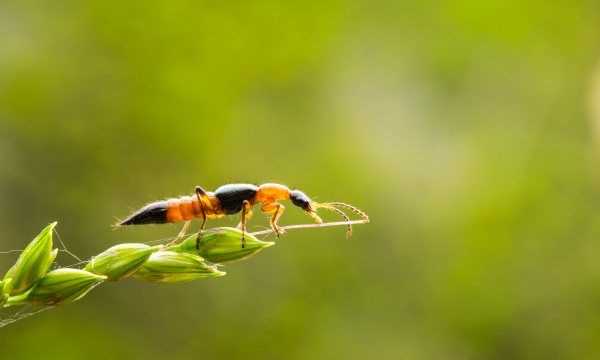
[
  {"x": 354, "y": 209},
  {"x": 330, "y": 207}
]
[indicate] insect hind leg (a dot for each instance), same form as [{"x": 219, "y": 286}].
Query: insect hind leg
[{"x": 181, "y": 234}]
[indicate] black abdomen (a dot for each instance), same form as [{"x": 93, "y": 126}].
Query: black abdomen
[
  {"x": 232, "y": 196},
  {"x": 155, "y": 213}
]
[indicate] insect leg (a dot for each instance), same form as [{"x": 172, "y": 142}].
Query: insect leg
[
  {"x": 246, "y": 214},
  {"x": 201, "y": 195},
  {"x": 276, "y": 209},
  {"x": 275, "y": 219},
  {"x": 181, "y": 234}
]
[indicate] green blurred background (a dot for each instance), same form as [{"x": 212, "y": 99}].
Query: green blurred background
[{"x": 464, "y": 128}]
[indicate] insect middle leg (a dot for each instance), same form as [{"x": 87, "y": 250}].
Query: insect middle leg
[
  {"x": 202, "y": 197},
  {"x": 246, "y": 215}
]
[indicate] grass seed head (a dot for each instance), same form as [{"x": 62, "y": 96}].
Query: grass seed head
[
  {"x": 170, "y": 267},
  {"x": 120, "y": 261},
  {"x": 223, "y": 244},
  {"x": 59, "y": 286},
  {"x": 3, "y": 296},
  {"x": 33, "y": 263}
]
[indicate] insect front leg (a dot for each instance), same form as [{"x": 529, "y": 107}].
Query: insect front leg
[{"x": 276, "y": 210}]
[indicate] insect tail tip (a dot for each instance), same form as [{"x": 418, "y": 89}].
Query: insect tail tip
[{"x": 118, "y": 224}]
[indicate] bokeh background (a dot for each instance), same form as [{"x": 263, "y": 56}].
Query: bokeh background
[{"x": 466, "y": 129}]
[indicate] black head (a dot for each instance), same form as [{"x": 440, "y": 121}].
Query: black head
[{"x": 300, "y": 199}]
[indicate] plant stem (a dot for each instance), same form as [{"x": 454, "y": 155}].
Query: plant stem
[{"x": 305, "y": 226}]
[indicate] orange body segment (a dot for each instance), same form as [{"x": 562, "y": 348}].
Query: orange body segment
[
  {"x": 268, "y": 193},
  {"x": 188, "y": 207},
  {"x": 173, "y": 211}
]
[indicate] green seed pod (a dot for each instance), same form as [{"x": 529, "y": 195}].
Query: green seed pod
[
  {"x": 170, "y": 267},
  {"x": 3, "y": 296},
  {"x": 33, "y": 263},
  {"x": 59, "y": 287},
  {"x": 222, "y": 245},
  {"x": 120, "y": 261}
]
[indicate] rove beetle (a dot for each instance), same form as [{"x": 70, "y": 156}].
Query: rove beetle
[{"x": 227, "y": 200}]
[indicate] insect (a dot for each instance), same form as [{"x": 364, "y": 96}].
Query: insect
[{"x": 227, "y": 200}]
